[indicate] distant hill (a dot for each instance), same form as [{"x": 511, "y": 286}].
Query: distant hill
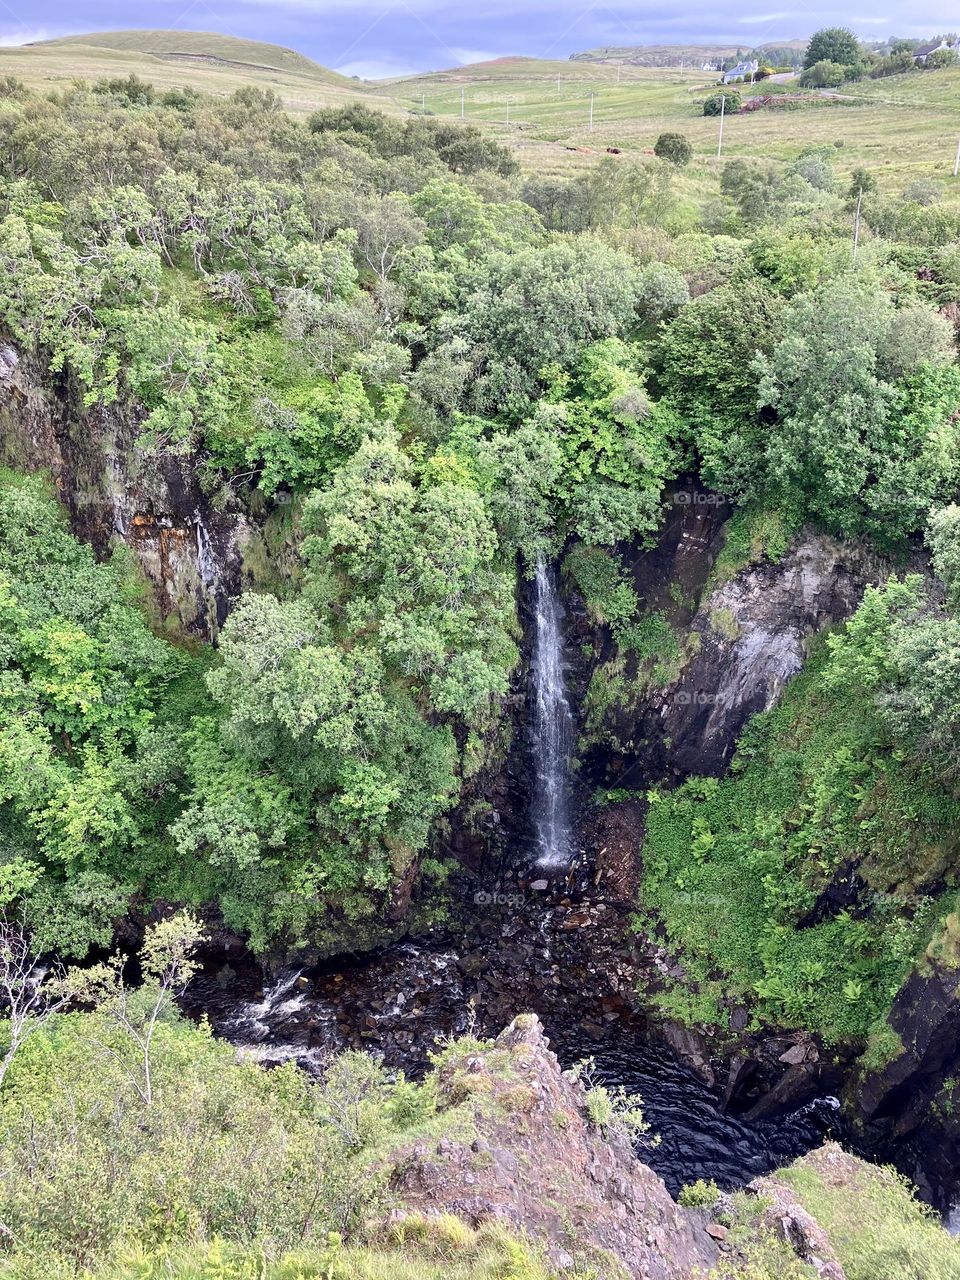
[
  {"x": 202, "y": 47},
  {"x": 516, "y": 68},
  {"x": 211, "y": 63},
  {"x": 513, "y": 71},
  {"x": 671, "y": 55}
]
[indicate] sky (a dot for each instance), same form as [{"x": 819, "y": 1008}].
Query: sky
[{"x": 377, "y": 38}]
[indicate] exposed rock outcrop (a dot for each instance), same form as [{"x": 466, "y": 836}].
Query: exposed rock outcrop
[
  {"x": 785, "y": 1216},
  {"x": 521, "y": 1144},
  {"x": 191, "y": 553},
  {"x": 747, "y": 637},
  {"x": 913, "y": 1092},
  {"x": 533, "y": 1159},
  {"x": 753, "y": 637}
]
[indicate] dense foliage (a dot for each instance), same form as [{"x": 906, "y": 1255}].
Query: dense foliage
[
  {"x": 443, "y": 371},
  {"x": 218, "y": 1169},
  {"x": 850, "y": 781}
]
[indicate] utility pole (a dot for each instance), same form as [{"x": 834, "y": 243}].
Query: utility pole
[
  {"x": 423, "y": 104},
  {"x": 461, "y": 104},
  {"x": 591, "y": 113},
  {"x": 619, "y": 65},
  {"x": 508, "y": 108},
  {"x": 956, "y": 163},
  {"x": 856, "y": 223},
  {"x": 558, "y": 82},
  {"x": 723, "y": 106}
]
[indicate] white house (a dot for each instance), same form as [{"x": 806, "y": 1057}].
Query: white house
[
  {"x": 742, "y": 71},
  {"x": 923, "y": 51}
]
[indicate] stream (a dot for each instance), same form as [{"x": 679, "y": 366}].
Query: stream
[{"x": 399, "y": 1001}]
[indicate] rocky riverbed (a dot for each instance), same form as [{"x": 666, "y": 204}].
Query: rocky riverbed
[{"x": 555, "y": 947}]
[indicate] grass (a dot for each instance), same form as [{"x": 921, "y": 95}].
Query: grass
[
  {"x": 204, "y": 44},
  {"x": 876, "y": 1226},
  {"x": 903, "y": 127},
  {"x": 53, "y": 64},
  {"x": 441, "y": 1248},
  {"x": 751, "y": 535}
]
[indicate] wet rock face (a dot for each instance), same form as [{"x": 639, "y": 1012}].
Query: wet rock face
[
  {"x": 533, "y": 1160},
  {"x": 908, "y": 1105},
  {"x": 191, "y": 554},
  {"x": 746, "y": 639},
  {"x": 754, "y": 632},
  {"x": 557, "y": 950}
]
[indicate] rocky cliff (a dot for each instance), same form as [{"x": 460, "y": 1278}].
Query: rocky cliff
[
  {"x": 537, "y": 1151},
  {"x": 533, "y": 1158},
  {"x": 193, "y": 550},
  {"x": 739, "y": 639}
]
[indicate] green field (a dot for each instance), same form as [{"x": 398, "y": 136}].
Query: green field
[{"x": 902, "y": 128}]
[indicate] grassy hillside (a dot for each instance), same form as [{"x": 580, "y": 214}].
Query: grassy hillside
[
  {"x": 207, "y": 45},
  {"x": 902, "y": 128},
  {"x": 507, "y": 70},
  {"x": 214, "y": 64},
  {"x": 671, "y": 55}
]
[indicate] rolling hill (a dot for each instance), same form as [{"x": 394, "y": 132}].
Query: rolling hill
[
  {"x": 498, "y": 70},
  {"x": 206, "y": 46},
  {"x": 206, "y": 61},
  {"x": 672, "y": 55},
  {"x": 901, "y": 128}
]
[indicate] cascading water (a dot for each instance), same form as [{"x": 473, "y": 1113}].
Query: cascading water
[{"x": 552, "y": 728}]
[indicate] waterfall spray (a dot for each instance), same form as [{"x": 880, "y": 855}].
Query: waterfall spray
[{"x": 552, "y": 726}]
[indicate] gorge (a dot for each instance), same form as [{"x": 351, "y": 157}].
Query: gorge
[
  {"x": 540, "y": 920},
  {"x": 479, "y": 694}
]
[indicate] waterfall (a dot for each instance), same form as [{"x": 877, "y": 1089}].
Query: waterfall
[{"x": 552, "y": 726}]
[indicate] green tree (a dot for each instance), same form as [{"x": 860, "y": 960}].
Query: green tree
[
  {"x": 675, "y": 148},
  {"x": 167, "y": 965},
  {"x": 705, "y": 365},
  {"x": 943, "y": 539},
  {"x": 728, "y": 100},
  {"x": 619, "y": 446},
  {"x": 865, "y": 417},
  {"x": 832, "y": 44},
  {"x": 540, "y": 307}
]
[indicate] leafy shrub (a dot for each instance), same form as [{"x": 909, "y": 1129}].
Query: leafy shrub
[
  {"x": 939, "y": 59},
  {"x": 674, "y": 147},
  {"x": 699, "y": 1194},
  {"x": 824, "y": 75},
  {"x": 599, "y": 577},
  {"x": 728, "y": 101},
  {"x": 662, "y": 291}
]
